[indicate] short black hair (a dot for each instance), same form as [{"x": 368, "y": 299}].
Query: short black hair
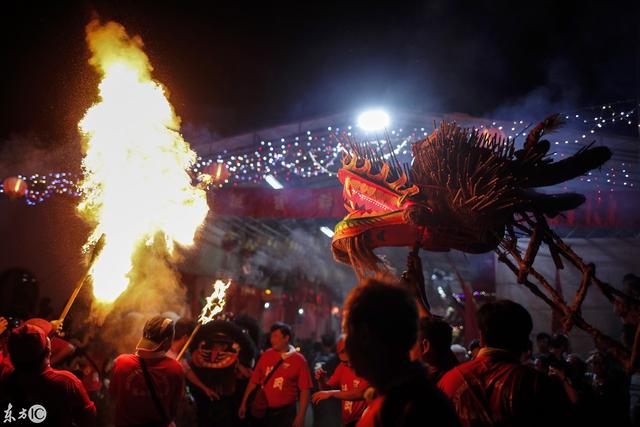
[
  {"x": 543, "y": 336},
  {"x": 437, "y": 332},
  {"x": 328, "y": 340},
  {"x": 183, "y": 327},
  {"x": 387, "y": 310},
  {"x": 283, "y": 328},
  {"x": 559, "y": 341},
  {"x": 475, "y": 343},
  {"x": 506, "y": 325}
]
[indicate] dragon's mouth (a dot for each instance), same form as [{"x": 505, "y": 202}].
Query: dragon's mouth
[
  {"x": 363, "y": 198},
  {"x": 369, "y": 193}
]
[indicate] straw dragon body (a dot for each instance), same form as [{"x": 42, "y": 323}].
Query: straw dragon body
[{"x": 470, "y": 191}]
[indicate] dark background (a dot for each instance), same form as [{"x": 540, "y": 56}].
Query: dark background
[{"x": 237, "y": 66}]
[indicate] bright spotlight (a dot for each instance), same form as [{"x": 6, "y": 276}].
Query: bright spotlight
[
  {"x": 327, "y": 231},
  {"x": 300, "y": 311},
  {"x": 273, "y": 182},
  {"x": 267, "y": 305},
  {"x": 373, "y": 120}
]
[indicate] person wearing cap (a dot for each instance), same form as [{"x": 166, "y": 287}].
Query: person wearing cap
[
  {"x": 290, "y": 381},
  {"x": 344, "y": 385},
  {"x": 149, "y": 399},
  {"x": 34, "y": 382}
]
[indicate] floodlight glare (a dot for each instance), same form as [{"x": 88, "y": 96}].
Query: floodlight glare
[
  {"x": 327, "y": 231},
  {"x": 373, "y": 120},
  {"x": 273, "y": 182}
]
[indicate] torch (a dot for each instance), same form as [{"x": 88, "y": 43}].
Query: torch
[
  {"x": 214, "y": 306},
  {"x": 94, "y": 254}
]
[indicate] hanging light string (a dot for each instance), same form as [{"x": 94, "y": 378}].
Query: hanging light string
[{"x": 317, "y": 153}]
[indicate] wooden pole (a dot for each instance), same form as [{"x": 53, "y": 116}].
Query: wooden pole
[
  {"x": 186, "y": 345},
  {"x": 94, "y": 254}
]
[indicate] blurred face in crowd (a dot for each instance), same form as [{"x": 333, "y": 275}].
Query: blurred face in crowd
[
  {"x": 543, "y": 345},
  {"x": 279, "y": 342}
]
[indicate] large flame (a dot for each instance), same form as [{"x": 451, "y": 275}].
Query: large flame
[{"x": 136, "y": 187}]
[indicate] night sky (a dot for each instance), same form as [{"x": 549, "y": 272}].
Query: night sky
[{"x": 237, "y": 66}]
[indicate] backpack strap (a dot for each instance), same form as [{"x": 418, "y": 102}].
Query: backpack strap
[
  {"x": 268, "y": 377},
  {"x": 152, "y": 391}
]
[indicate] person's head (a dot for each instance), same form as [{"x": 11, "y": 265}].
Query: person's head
[
  {"x": 157, "y": 334},
  {"x": 434, "y": 339},
  {"x": 542, "y": 342},
  {"x": 559, "y": 344},
  {"x": 29, "y": 348},
  {"x": 381, "y": 325},
  {"x": 328, "y": 341},
  {"x": 183, "y": 328},
  {"x": 505, "y": 325},
  {"x": 280, "y": 336}
]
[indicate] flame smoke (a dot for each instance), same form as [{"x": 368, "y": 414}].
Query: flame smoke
[{"x": 136, "y": 188}]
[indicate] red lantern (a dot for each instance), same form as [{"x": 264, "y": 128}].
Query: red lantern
[
  {"x": 14, "y": 187},
  {"x": 218, "y": 172}
]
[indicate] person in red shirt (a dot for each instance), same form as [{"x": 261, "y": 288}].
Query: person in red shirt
[
  {"x": 135, "y": 403},
  {"x": 495, "y": 388},
  {"x": 62, "y": 397},
  {"x": 60, "y": 349},
  {"x": 290, "y": 381},
  {"x": 351, "y": 388},
  {"x": 381, "y": 326}
]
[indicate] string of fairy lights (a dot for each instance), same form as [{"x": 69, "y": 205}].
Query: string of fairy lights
[{"x": 314, "y": 153}]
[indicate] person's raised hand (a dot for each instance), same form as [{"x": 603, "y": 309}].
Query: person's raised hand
[{"x": 56, "y": 327}]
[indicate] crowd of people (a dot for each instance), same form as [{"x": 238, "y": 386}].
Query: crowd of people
[{"x": 393, "y": 366}]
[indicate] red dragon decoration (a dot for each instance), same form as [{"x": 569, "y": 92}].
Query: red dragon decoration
[{"x": 474, "y": 192}]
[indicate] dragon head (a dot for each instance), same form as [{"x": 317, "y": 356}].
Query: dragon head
[
  {"x": 380, "y": 203},
  {"x": 390, "y": 204},
  {"x": 464, "y": 189}
]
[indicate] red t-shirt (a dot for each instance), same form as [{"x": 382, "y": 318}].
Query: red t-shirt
[
  {"x": 292, "y": 375},
  {"x": 133, "y": 401},
  {"x": 60, "y": 393},
  {"x": 344, "y": 378},
  {"x": 371, "y": 417}
]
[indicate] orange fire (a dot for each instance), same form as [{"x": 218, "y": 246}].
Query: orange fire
[{"x": 137, "y": 190}]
